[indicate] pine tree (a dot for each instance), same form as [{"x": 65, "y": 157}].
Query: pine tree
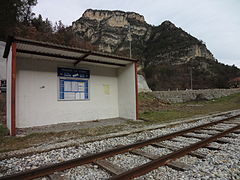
[{"x": 13, "y": 12}]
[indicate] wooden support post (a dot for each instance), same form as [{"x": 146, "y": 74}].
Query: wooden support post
[
  {"x": 13, "y": 91},
  {"x": 136, "y": 88}
]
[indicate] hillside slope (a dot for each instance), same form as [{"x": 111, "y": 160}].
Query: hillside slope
[{"x": 167, "y": 54}]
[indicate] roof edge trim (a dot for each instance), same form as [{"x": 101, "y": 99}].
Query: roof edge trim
[{"x": 69, "y": 48}]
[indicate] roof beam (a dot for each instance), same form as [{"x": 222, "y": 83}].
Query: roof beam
[
  {"x": 81, "y": 58},
  {"x": 67, "y": 57}
]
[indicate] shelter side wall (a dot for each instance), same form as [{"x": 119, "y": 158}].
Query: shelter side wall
[
  {"x": 2, "y": 62},
  {"x": 127, "y": 92},
  {"x": 37, "y": 94},
  {"x": 9, "y": 87}
]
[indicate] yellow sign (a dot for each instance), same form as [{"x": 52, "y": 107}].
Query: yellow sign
[{"x": 106, "y": 89}]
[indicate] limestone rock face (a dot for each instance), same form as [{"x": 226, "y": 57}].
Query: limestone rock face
[
  {"x": 170, "y": 44},
  {"x": 109, "y": 30},
  {"x": 142, "y": 84},
  {"x": 100, "y": 15}
]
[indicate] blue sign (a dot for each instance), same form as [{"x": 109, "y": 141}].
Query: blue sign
[{"x": 75, "y": 73}]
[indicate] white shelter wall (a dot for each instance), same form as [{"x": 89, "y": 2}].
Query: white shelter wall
[{"x": 37, "y": 94}]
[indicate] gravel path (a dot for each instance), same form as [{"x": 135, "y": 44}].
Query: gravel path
[{"x": 224, "y": 164}]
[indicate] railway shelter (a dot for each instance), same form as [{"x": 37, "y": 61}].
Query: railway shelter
[{"x": 50, "y": 84}]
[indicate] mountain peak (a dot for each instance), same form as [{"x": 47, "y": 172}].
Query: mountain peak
[
  {"x": 165, "y": 52},
  {"x": 100, "y": 15},
  {"x": 168, "y": 23},
  {"x": 108, "y": 31}
]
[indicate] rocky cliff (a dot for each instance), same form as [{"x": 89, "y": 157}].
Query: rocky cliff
[
  {"x": 167, "y": 53},
  {"x": 168, "y": 43},
  {"x": 109, "y": 31}
]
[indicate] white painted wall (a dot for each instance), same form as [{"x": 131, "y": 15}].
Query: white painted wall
[
  {"x": 9, "y": 83},
  {"x": 2, "y": 62},
  {"x": 37, "y": 106},
  {"x": 127, "y": 92}
]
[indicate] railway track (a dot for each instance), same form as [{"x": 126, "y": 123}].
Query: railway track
[{"x": 169, "y": 159}]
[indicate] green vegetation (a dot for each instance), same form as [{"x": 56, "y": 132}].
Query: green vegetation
[
  {"x": 146, "y": 97},
  {"x": 168, "y": 38},
  {"x": 3, "y": 130},
  {"x": 206, "y": 74},
  {"x": 165, "y": 63},
  {"x": 13, "y": 13},
  {"x": 189, "y": 109},
  {"x": 164, "y": 116}
]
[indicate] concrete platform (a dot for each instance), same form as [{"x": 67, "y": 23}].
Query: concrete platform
[{"x": 72, "y": 126}]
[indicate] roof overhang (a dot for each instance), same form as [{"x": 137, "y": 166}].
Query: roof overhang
[{"x": 71, "y": 54}]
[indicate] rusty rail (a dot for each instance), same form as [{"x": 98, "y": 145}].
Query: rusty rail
[
  {"x": 49, "y": 169},
  {"x": 163, "y": 160}
]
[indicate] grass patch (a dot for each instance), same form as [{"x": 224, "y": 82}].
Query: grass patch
[
  {"x": 163, "y": 116},
  {"x": 145, "y": 97},
  {"x": 3, "y": 130},
  {"x": 190, "y": 109}
]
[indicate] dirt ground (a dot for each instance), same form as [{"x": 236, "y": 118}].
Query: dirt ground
[{"x": 72, "y": 126}]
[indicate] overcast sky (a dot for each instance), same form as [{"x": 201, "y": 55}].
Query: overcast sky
[{"x": 216, "y": 22}]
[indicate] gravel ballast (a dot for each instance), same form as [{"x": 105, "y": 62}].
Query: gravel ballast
[{"x": 223, "y": 164}]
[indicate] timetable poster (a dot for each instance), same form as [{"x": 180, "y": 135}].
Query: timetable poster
[{"x": 74, "y": 89}]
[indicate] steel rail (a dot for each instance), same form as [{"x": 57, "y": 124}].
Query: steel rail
[
  {"x": 163, "y": 160},
  {"x": 49, "y": 169}
]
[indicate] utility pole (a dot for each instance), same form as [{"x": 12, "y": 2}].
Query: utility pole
[
  {"x": 130, "y": 40},
  {"x": 191, "y": 78}
]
